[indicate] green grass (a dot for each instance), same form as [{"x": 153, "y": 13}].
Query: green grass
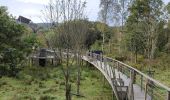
[{"x": 37, "y": 83}]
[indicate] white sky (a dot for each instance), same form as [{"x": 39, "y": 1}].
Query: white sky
[{"x": 32, "y": 8}]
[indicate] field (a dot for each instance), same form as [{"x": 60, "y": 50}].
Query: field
[{"x": 47, "y": 83}]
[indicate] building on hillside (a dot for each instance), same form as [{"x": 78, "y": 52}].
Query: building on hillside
[
  {"x": 27, "y": 22},
  {"x": 23, "y": 20}
]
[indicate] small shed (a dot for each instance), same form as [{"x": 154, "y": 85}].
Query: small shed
[{"x": 44, "y": 57}]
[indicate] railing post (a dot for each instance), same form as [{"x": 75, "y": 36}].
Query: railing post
[
  {"x": 110, "y": 71},
  {"x": 132, "y": 72},
  {"x": 113, "y": 72},
  {"x": 114, "y": 65},
  {"x": 113, "y": 95},
  {"x": 100, "y": 61},
  {"x": 141, "y": 81},
  {"x": 134, "y": 77},
  {"x": 52, "y": 61},
  {"x": 104, "y": 64},
  {"x": 118, "y": 66},
  {"x": 146, "y": 89},
  {"x": 168, "y": 97}
]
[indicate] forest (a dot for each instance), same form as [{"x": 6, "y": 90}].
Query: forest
[{"x": 135, "y": 32}]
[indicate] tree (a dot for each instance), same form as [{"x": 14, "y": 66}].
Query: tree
[
  {"x": 168, "y": 7},
  {"x": 145, "y": 15},
  {"x": 69, "y": 34},
  {"x": 114, "y": 12},
  {"x": 104, "y": 15},
  {"x": 135, "y": 36},
  {"x": 12, "y": 46}
]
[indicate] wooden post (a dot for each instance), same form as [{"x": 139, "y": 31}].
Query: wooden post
[
  {"x": 113, "y": 96},
  {"x": 168, "y": 97},
  {"x": 110, "y": 71},
  {"x": 107, "y": 68},
  {"x": 52, "y": 61},
  {"x": 141, "y": 81},
  {"x": 100, "y": 61},
  {"x": 132, "y": 72},
  {"x": 146, "y": 89},
  {"x": 104, "y": 64},
  {"x": 118, "y": 66},
  {"x": 134, "y": 78},
  {"x": 114, "y": 64}
]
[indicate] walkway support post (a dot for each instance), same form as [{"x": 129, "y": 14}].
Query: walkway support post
[
  {"x": 168, "y": 98},
  {"x": 132, "y": 76},
  {"x": 113, "y": 96},
  {"x": 141, "y": 82},
  {"x": 146, "y": 89}
]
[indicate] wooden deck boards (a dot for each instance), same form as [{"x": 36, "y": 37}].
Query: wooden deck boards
[{"x": 106, "y": 71}]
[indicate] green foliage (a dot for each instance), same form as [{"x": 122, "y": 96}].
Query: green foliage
[
  {"x": 47, "y": 97},
  {"x": 11, "y": 59},
  {"x": 163, "y": 36},
  {"x": 30, "y": 41},
  {"x": 12, "y": 46},
  {"x": 92, "y": 36},
  {"x": 70, "y": 34},
  {"x": 96, "y": 46},
  {"x": 28, "y": 84},
  {"x": 145, "y": 25},
  {"x": 83, "y": 32},
  {"x": 95, "y": 34},
  {"x": 168, "y": 7}
]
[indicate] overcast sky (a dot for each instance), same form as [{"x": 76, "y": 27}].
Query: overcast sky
[{"x": 32, "y": 8}]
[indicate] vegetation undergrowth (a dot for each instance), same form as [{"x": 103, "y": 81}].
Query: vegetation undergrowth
[{"x": 47, "y": 83}]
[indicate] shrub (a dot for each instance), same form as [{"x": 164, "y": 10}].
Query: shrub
[
  {"x": 2, "y": 83},
  {"x": 47, "y": 97},
  {"x": 121, "y": 58},
  {"x": 41, "y": 85}
]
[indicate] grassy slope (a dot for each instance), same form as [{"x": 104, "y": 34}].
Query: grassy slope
[{"x": 36, "y": 83}]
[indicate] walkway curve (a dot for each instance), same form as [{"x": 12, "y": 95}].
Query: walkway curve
[
  {"x": 127, "y": 82},
  {"x": 122, "y": 83}
]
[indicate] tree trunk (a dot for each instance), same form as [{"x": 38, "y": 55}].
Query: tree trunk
[
  {"x": 78, "y": 74},
  {"x": 67, "y": 85},
  {"x": 68, "y": 90},
  {"x": 136, "y": 55}
]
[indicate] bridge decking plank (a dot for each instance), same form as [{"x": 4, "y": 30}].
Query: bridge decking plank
[{"x": 138, "y": 94}]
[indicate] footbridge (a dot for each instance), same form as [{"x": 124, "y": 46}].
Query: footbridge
[{"x": 127, "y": 82}]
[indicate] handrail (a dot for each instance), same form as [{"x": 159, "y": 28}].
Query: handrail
[
  {"x": 144, "y": 75},
  {"x": 139, "y": 72},
  {"x": 134, "y": 70}
]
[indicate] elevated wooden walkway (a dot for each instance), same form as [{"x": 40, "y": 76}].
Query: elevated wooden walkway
[{"x": 127, "y": 82}]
